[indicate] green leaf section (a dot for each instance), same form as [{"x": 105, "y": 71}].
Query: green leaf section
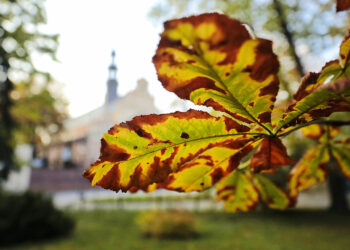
[
  {"x": 208, "y": 58},
  {"x": 179, "y": 151}
]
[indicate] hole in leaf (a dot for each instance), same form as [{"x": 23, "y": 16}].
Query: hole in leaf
[{"x": 185, "y": 135}]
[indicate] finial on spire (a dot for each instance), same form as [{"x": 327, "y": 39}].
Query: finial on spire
[
  {"x": 113, "y": 56},
  {"x": 112, "y": 83},
  {"x": 112, "y": 66}
]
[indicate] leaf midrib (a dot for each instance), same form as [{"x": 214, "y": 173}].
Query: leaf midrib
[
  {"x": 218, "y": 79},
  {"x": 187, "y": 141}
]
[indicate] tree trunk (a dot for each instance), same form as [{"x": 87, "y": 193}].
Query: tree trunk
[
  {"x": 337, "y": 189},
  {"x": 6, "y": 122}
]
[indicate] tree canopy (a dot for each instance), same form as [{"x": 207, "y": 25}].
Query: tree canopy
[{"x": 20, "y": 38}]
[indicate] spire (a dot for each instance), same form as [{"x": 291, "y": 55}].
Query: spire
[
  {"x": 112, "y": 83},
  {"x": 112, "y": 68}
]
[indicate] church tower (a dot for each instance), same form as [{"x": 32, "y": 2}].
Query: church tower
[{"x": 112, "y": 83}]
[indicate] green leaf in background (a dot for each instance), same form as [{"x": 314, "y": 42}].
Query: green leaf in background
[
  {"x": 241, "y": 189},
  {"x": 273, "y": 196},
  {"x": 310, "y": 169},
  {"x": 341, "y": 152},
  {"x": 238, "y": 192}
]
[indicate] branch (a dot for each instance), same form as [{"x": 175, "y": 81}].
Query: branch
[
  {"x": 288, "y": 35},
  {"x": 336, "y": 123}
]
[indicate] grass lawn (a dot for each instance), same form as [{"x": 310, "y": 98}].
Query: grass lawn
[{"x": 295, "y": 230}]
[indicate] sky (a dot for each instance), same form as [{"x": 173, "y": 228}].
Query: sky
[{"x": 89, "y": 30}]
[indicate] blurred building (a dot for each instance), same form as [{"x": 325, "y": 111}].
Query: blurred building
[{"x": 78, "y": 145}]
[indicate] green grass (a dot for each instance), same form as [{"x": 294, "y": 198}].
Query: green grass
[{"x": 295, "y": 230}]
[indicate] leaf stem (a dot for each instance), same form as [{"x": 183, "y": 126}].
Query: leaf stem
[{"x": 336, "y": 123}]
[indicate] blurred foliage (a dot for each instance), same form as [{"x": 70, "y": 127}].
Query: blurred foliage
[
  {"x": 39, "y": 115},
  {"x": 30, "y": 217},
  {"x": 167, "y": 224},
  {"x": 313, "y": 26},
  {"x": 20, "y": 39}
]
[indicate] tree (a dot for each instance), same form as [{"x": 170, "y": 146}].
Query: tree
[
  {"x": 20, "y": 37},
  {"x": 214, "y": 61},
  {"x": 39, "y": 114}
]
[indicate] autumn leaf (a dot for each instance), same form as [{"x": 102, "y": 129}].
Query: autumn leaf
[
  {"x": 316, "y": 131},
  {"x": 321, "y": 94},
  {"x": 241, "y": 189},
  {"x": 238, "y": 192},
  {"x": 310, "y": 169},
  {"x": 337, "y": 69},
  {"x": 212, "y": 60},
  {"x": 341, "y": 152},
  {"x": 270, "y": 154},
  {"x": 204, "y": 171},
  {"x": 179, "y": 151},
  {"x": 273, "y": 196},
  {"x": 313, "y": 131},
  {"x": 343, "y": 5},
  {"x": 322, "y": 102},
  {"x": 344, "y": 52}
]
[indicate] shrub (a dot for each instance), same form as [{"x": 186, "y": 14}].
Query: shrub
[
  {"x": 30, "y": 217},
  {"x": 167, "y": 224}
]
